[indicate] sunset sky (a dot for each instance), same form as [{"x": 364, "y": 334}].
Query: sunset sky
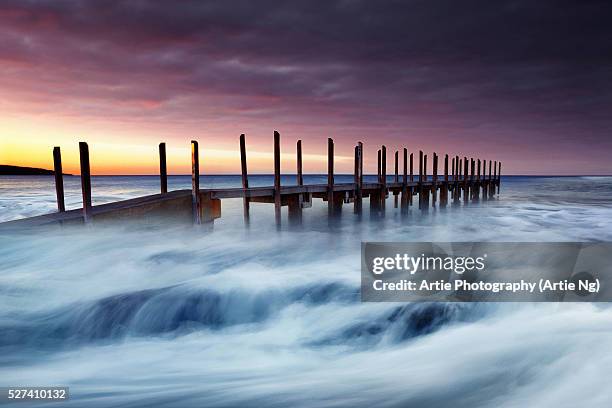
[{"x": 525, "y": 82}]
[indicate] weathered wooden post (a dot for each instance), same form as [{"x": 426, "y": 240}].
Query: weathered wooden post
[
  {"x": 457, "y": 178},
  {"x": 490, "y": 181},
  {"x": 300, "y": 177},
  {"x": 477, "y": 187},
  {"x": 59, "y": 179},
  {"x": 383, "y": 176},
  {"x": 472, "y": 177},
  {"x": 466, "y": 187},
  {"x": 357, "y": 203},
  {"x": 444, "y": 189},
  {"x": 453, "y": 177},
  {"x": 163, "y": 172},
  {"x": 498, "y": 177},
  {"x": 378, "y": 174},
  {"x": 395, "y": 192},
  {"x": 484, "y": 180},
  {"x": 85, "y": 181},
  {"x": 420, "y": 186},
  {"x": 195, "y": 183},
  {"x": 494, "y": 178},
  {"x": 404, "y": 206},
  {"x": 245, "y": 180},
  {"x": 434, "y": 185},
  {"x": 425, "y": 189},
  {"x": 330, "y": 177},
  {"x": 277, "y": 180},
  {"x": 411, "y": 177}
]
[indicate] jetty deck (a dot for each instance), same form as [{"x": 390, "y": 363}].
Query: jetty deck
[{"x": 461, "y": 179}]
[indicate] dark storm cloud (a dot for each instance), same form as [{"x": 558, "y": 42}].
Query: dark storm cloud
[{"x": 535, "y": 72}]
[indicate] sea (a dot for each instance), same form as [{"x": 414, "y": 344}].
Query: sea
[{"x": 181, "y": 316}]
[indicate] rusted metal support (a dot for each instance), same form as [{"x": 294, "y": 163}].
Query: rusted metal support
[
  {"x": 195, "y": 183},
  {"x": 59, "y": 179},
  {"x": 245, "y": 179},
  {"x": 85, "y": 181},
  {"x": 277, "y": 180},
  {"x": 163, "y": 172},
  {"x": 330, "y": 176}
]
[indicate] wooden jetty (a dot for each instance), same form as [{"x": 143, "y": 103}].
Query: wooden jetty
[{"x": 203, "y": 206}]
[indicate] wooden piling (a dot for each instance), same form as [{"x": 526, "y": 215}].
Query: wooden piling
[
  {"x": 404, "y": 200},
  {"x": 494, "y": 182},
  {"x": 85, "y": 181},
  {"x": 277, "y": 180},
  {"x": 357, "y": 203},
  {"x": 163, "y": 172},
  {"x": 466, "y": 187},
  {"x": 472, "y": 177},
  {"x": 420, "y": 186},
  {"x": 195, "y": 183},
  {"x": 425, "y": 190},
  {"x": 445, "y": 187},
  {"x": 378, "y": 174},
  {"x": 489, "y": 181},
  {"x": 410, "y": 194},
  {"x": 483, "y": 184},
  {"x": 395, "y": 194},
  {"x": 300, "y": 177},
  {"x": 59, "y": 179},
  {"x": 434, "y": 185},
  {"x": 330, "y": 176},
  {"x": 245, "y": 179},
  {"x": 498, "y": 177},
  {"x": 383, "y": 176}
]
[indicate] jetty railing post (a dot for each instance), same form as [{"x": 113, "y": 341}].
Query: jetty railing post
[
  {"x": 494, "y": 177},
  {"x": 404, "y": 205},
  {"x": 378, "y": 174},
  {"x": 195, "y": 183},
  {"x": 444, "y": 190},
  {"x": 420, "y": 187},
  {"x": 477, "y": 189},
  {"x": 453, "y": 177},
  {"x": 457, "y": 179},
  {"x": 396, "y": 193},
  {"x": 498, "y": 177},
  {"x": 59, "y": 179},
  {"x": 490, "y": 181},
  {"x": 466, "y": 188},
  {"x": 383, "y": 177},
  {"x": 277, "y": 180},
  {"x": 484, "y": 180},
  {"x": 163, "y": 172},
  {"x": 411, "y": 177},
  {"x": 425, "y": 189},
  {"x": 245, "y": 179},
  {"x": 85, "y": 181},
  {"x": 357, "y": 203},
  {"x": 472, "y": 177},
  {"x": 434, "y": 185},
  {"x": 330, "y": 176}
]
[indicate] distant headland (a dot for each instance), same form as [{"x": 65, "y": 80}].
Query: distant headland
[{"x": 6, "y": 170}]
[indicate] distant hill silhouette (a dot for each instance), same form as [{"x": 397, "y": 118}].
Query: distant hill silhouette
[{"x": 6, "y": 170}]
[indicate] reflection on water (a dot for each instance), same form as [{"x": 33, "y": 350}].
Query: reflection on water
[{"x": 179, "y": 316}]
